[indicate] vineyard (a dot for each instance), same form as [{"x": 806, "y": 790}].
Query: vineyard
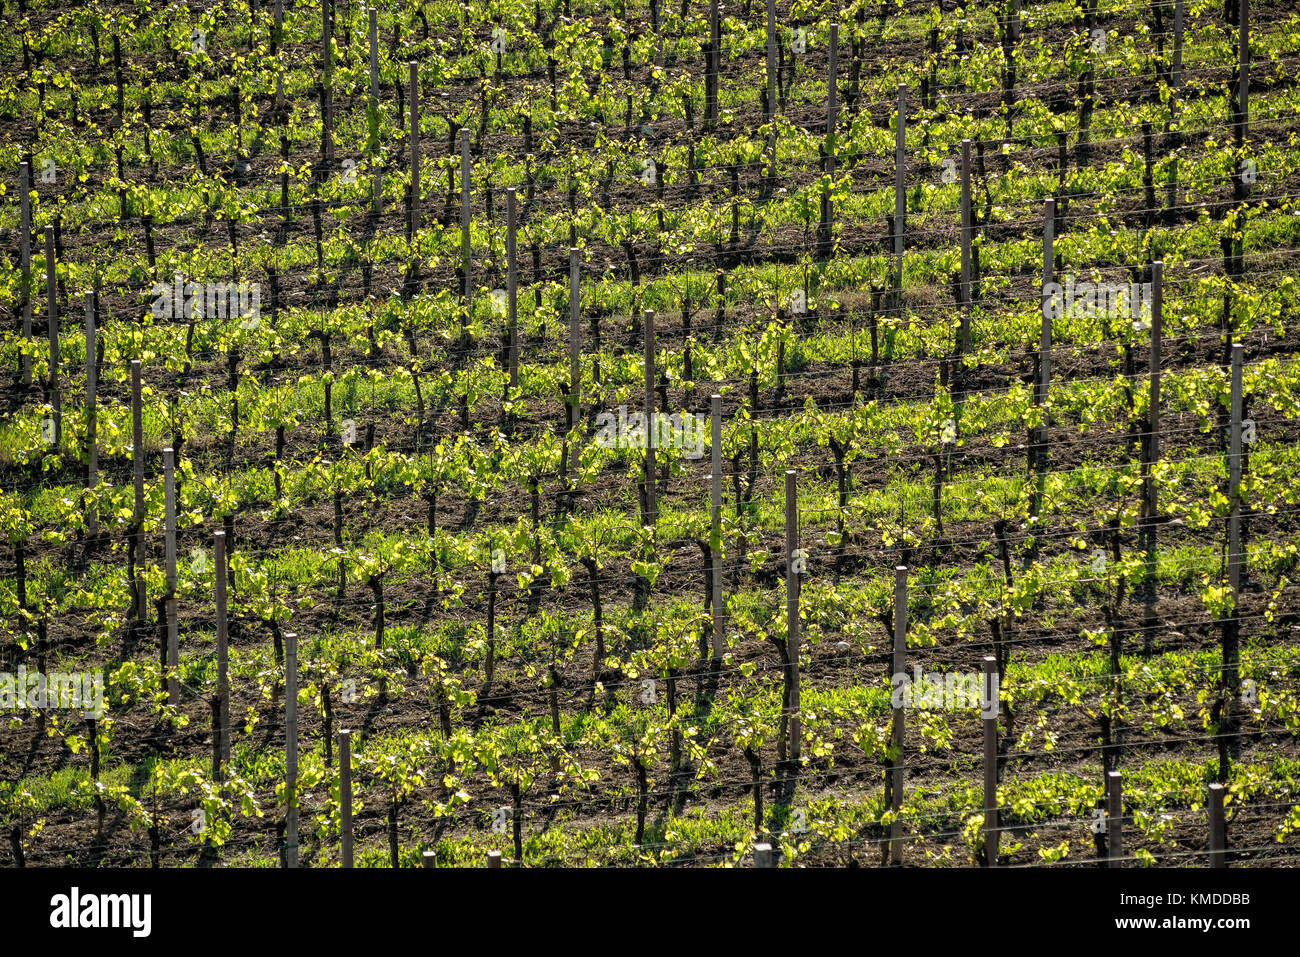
[{"x": 583, "y": 433}]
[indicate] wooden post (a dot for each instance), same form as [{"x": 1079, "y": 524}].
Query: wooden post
[
  {"x": 899, "y": 667},
  {"x": 715, "y": 535},
  {"x": 413, "y": 97},
  {"x": 575, "y": 336},
  {"x": 825, "y": 225},
  {"x": 792, "y": 615},
  {"x": 137, "y": 458},
  {"x": 378, "y": 196},
  {"x": 1045, "y": 331},
  {"x": 291, "y": 748},
  {"x": 25, "y": 259},
  {"x": 711, "y": 88},
  {"x": 1151, "y": 449},
  {"x": 1243, "y": 69},
  {"x": 372, "y": 25},
  {"x": 771, "y": 62},
  {"x": 429, "y": 859},
  {"x": 345, "y": 794},
  {"x": 991, "y": 830},
  {"x": 967, "y": 233},
  {"x": 223, "y": 651},
  {"x": 832, "y": 92},
  {"x": 466, "y": 268},
  {"x": 770, "y": 115},
  {"x": 92, "y": 414},
  {"x": 1114, "y": 818},
  {"x": 494, "y": 860},
  {"x": 763, "y": 855},
  {"x": 1044, "y": 367},
  {"x": 137, "y": 441},
  {"x": 1218, "y": 838},
  {"x": 1153, "y": 386},
  {"x": 1229, "y": 724},
  {"x": 900, "y": 195},
  {"x": 1234, "y": 477},
  {"x": 651, "y": 427},
  {"x": 278, "y": 32},
  {"x": 1175, "y": 88},
  {"x": 52, "y": 316},
  {"x": 327, "y": 77},
  {"x": 1176, "y": 76},
  {"x": 512, "y": 279},
  {"x": 169, "y": 520}
]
